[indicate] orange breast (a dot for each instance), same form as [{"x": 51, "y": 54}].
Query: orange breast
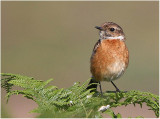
[{"x": 109, "y": 60}]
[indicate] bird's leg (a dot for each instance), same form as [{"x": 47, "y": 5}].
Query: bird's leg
[
  {"x": 100, "y": 88},
  {"x": 117, "y": 90}
]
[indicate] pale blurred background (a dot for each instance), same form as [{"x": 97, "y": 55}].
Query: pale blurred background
[{"x": 55, "y": 40}]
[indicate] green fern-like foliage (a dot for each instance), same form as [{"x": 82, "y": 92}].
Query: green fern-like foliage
[{"x": 75, "y": 101}]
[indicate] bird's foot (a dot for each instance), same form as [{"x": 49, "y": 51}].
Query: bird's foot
[{"x": 117, "y": 90}]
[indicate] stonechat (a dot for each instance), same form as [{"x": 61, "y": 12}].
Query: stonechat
[{"x": 110, "y": 56}]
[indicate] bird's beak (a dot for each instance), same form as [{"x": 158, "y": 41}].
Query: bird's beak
[{"x": 98, "y": 27}]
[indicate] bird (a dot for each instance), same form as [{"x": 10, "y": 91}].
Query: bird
[{"x": 110, "y": 55}]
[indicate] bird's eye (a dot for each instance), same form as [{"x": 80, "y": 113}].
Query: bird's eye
[{"x": 112, "y": 29}]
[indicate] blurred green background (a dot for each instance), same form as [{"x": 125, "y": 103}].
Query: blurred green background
[{"x": 55, "y": 40}]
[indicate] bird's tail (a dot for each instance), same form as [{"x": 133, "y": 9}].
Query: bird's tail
[{"x": 92, "y": 84}]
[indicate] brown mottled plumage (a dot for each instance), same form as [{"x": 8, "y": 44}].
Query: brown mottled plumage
[{"x": 110, "y": 55}]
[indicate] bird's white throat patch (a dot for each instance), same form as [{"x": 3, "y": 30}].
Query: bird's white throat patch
[
  {"x": 118, "y": 37},
  {"x": 102, "y": 36}
]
